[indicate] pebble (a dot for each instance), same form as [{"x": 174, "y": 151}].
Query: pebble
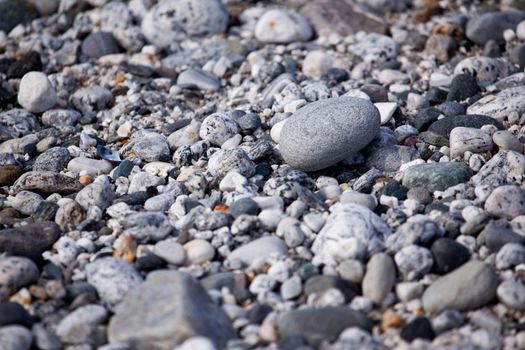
[
  {"x": 60, "y": 117},
  {"x": 447, "y": 320},
  {"x": 321, "y": 324},
  {"x": 317, "y": 63},
  {"x": 218, "y": 128},
  {"x": 418, "y": 229},
  {"x": 82, "y": 325},
  {"x": 46, "y": 182},
  {"x": 419, "y": 328},
  {"x": 462, "y": 87},
  {"x": 224, "y": 161},
  {"x": 185, "y": 136},
  {"x": 15, "y": 338},
  {"x": 14, "y": 314},
  {"x": 171, "y": 251},
  {"x": 10, "y": 169},
  {"x": 351, "y": 232},
  {"x": 507, "y": 141},
  {"x": 259, "y": 250},
  {"x": 379, "y": 278},
  {"x": 174, "y": 20},
  {"x": 98, "y": 194},
  {"x": 112, "y": 278},
  {"x": 92, "y": 99},
  {"x": 36, "y": 93},
  {"x": 491, "y": 25},
  {"x": 199, "y": 78},
  {"x": 413, "y": 262},
  {"x": 485, "y": 69},
  {"x": 375, "y": 48},
  {"x": 15, "y": 273},
  {"x": 167, "y": 309},
  {"x": 366, "y": 200},
  {"x": 506, "y": 202},
  {"x": 54, "y": 159},
  {"x": 98, "y": 44},
  {"x": 386, "y": 110},
  {"x": 335, "y": 137},
  {"x": 512, "y": 294},
  {"x": 469, "y": 140},
  {"x": 469, "y": 287},
  {"x": 198, "y": 251},
  {"x": 436, "y": 176},
  {"x": 89, "y": 166},
  {"x": 30, "y": 238},
  {"x": 510, "y": 255},
  {"x": 281, "y": 26},
  {"x": 448, "y": 255},
  {"x": 500, "y": 105},
  {"x": 328, "y": 18},
  {"x": 148, "y": 226},
  {"x": 151, "y": 147}
]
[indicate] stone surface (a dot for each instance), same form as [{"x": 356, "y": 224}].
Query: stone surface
[
  {"x": 436, "y": 176},
  {"x": 14, "y": 314},
  {"x": 112, "y": 278},
  {"x": 54, "y": 159},
  {"x": 29, "y": 238},
  {"x": 36, "y": 93},
  {"x": 46, "y": 182},
  {"x": 282, "y": 26},
  {"x": 448, "y": 255},
  {"x": 15, "y": 273},
  {"x": 325, "y": 132},
  {"x": 342, "y": 17},
  {"x": 15, "y": 337},
  {"x": 199, "y": 78},
  {"x": 512, "y": 294},
  {"x": 321, "y": 324},
  {"x": 259, "y": 250},
  {"x": 351, "y": 231},
  {"x": 175, "y": 20},
  {"x": 468, "y": 140},
  {"x": 167, "y": 309},
  {"x": 490, "y": 26},
  {"x": 466, "y": 288},
  {"x": 80, "y": 326},
  {"x": 379, "y": 278},
  {"x": 506, "y": 202},
  {"x": 98, "y": 44},
  {"x": 499, "y": 106},
  {"x": 506, "y": 140},
  {"x": 89, "y": 166},
  {"x": 217, "y": 128}
]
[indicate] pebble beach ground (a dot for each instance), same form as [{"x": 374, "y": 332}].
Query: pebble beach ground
[{"x": 278, "y": 175}]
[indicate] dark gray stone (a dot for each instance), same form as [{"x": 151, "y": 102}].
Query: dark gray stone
[
  {"x": 99, "y": 44},
  {"x": 491, "y": 25},
  {"x": 436, "y": 176}
]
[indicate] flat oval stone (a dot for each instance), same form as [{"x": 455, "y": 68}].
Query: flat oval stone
[
  {"x": 436, "y": 176},
  {"x": 327, "y": 131}
]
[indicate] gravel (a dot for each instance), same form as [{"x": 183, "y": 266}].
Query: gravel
[{"x": 226, "y": 174}]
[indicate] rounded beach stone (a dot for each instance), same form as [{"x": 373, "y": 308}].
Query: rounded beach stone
[
  {"x": 327, "y": 131},
  {"x": 175, "y": 20},
  {"x": 36, "y": 93},
  {"x": 506, "y": 202},
  {"x": 436, "y": 176},
  {"x": 281, "y": 26}
]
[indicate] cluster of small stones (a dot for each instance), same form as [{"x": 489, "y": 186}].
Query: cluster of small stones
[{"x": 231, "y": 174}]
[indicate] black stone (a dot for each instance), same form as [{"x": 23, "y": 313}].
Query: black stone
[
  {"x": 149, "y": 263},
  {"x": 436, "y": 206},
  {"x": 448, "y": 255},
  {"x": 45, "y": 211},
  {"x": 124, "y": 169},
  {"x": 137, "y": 69},
  {"x": 426, "y": 117},
  {"x": 320, "y": 284},
  {"x": 14, "y": 314},
  {"x": 436, "y": 95},
  {"x": 5, "y": 97},
  {"x": 78, "y": 288},
  {"x": 248, "y": 122},
  {"x": 99, "y": 44},
  {"x": 451, "y": 108},
  {"x": 258, "y": 313},
  {"x": 336, "y": 75},
  {"x": 219, "y": 280},
  {"x": 15, "y": 12},
  {"x": 30, "y": 238},
  {"x": 5, "y": 63},
  {"x": 389, "y": 188},
  {"x": 269, "y": 71},
  {"x": 244, "y": 206},
  {"x": 28, "y": 63},
  {"x": 135, "y": 198},
  {"x": 462, "y": 87},
  {"x": 418, "y": 328},
  {"x": 444, "y": 126}
]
